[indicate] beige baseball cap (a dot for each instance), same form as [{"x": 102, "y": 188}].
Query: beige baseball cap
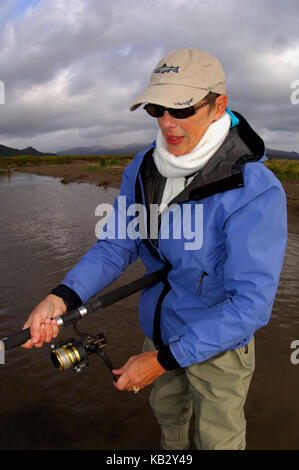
[{"x": 182, "y": 78}]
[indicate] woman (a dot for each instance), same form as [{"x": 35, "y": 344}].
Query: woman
[{"x": 200, "y": 322}]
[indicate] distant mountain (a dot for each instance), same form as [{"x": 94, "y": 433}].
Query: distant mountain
[
  {"x": 132, "y": 149},
  {"x": 94, "y": 150},
  {"x": 282, "y": 154},
  {"x": 135, "y": 148},
  {"x": 11, "y": 152}
]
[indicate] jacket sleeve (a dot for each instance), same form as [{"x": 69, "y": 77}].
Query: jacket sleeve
[
  {"x": 256, "y": 236},
  {"x": 113, "y": 252}
]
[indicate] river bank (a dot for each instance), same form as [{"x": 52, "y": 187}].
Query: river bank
[
  {"x": 110, "y": 176},
  {"x": 46, "y": 227}
]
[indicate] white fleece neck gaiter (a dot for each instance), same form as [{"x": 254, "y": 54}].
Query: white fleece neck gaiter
[{"x": 175, "y": 167}]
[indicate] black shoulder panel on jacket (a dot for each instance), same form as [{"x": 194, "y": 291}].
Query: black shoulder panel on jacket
[{"x": 250, "y": 137}]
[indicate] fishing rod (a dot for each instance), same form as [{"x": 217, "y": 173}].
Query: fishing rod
[{"x": 74, "y": 353}]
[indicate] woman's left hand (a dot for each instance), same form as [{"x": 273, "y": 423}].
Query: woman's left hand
[{"x": 138, "y": 372}]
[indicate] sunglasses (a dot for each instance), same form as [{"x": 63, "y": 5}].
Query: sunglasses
[{"x": 157, "y": 111}]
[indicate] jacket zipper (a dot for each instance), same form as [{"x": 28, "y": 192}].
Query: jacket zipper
[{"x": 157, "y": 337}]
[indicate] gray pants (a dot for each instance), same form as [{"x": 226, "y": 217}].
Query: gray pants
[{"x": 215, "y": 390}]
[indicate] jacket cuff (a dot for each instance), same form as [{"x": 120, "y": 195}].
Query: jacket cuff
[
  {"x": 70, "y": 298},
  {"x": 166, "y": 359}
]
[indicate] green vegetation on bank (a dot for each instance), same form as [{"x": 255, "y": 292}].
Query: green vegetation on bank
[
  {"x": 28, "y": 160},
  {"x": 282, "y": 168}
]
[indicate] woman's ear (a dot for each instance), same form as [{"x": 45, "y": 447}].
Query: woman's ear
[{"x": 220, "y": 106}]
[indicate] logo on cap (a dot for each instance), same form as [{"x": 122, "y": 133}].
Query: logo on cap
[
  {"x": 166, "y": 69},
  {"x": 185, "y": 103}
]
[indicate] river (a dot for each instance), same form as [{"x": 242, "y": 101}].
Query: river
[{"x": 45, "y": 228}]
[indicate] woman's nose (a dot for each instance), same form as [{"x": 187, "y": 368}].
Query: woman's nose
[{"x": 167, "y": 120}]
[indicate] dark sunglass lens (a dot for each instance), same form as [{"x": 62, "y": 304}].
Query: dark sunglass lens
[
  {"x": 157, "y": 111},
  {"x": 154, "y": 110},
  {"x": 182, "y": 113}
]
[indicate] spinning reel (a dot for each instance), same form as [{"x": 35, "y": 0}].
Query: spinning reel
[{"x": 75, "y": 353}]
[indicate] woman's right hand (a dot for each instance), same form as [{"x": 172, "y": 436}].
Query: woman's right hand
[{"x": 42, "y": 323}]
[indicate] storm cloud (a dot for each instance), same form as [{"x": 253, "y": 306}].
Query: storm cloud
[{"x": 71, "y": 68}]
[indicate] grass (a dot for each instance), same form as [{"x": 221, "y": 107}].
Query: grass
[
  {"x": 28, "y": 160},
  {"x": 284, "y": 169}
]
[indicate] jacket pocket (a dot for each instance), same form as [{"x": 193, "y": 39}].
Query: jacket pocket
[
  {"x": 210, "y": 289},
  {"x": 199, "y": 290},
  {"x": 246, "y": 355}
]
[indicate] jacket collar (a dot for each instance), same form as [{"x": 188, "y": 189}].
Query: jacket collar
[{"x": 222, "y": 172}]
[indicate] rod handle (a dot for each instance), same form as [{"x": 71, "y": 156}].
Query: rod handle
[{"x": 16, "y": 339}]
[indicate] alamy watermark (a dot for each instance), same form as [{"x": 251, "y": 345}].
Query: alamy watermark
[
  {"x": 178, "y": 222},
  {"x": 2, "y": 353},
  {"x": 294, "y": 98},
  {"x": 2, "y": 92},
  {"x": 294, "y": 358}
]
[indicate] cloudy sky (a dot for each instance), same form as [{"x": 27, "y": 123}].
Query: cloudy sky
[{"x": 71, "y": 68}]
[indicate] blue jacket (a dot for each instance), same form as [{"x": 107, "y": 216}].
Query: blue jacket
[{"x": 220, "y": 290}]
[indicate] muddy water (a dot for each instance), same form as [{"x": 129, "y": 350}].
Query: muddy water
[{"x": 45, "y": 228}]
